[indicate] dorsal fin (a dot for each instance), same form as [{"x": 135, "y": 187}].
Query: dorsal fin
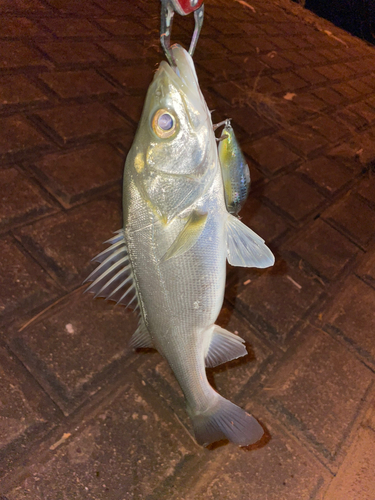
[{"x": 113, "y": 278}]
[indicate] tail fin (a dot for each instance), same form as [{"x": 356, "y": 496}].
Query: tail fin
[{"x": 225, "y": 420}]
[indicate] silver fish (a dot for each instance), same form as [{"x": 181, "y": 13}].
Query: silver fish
[
  {"x": 235, "y": 171},
  {"x": 169, "y": 260}
]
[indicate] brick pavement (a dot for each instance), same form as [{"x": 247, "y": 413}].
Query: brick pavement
[{"x": 81, "y": 416}]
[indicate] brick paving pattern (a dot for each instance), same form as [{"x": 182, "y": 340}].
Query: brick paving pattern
[{"x": 81, "y": 415}]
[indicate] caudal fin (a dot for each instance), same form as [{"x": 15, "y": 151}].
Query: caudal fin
[{"x": 225, "y": 420}]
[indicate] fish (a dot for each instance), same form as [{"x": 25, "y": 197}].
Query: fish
[
  {"x": 168, "y": 262},
  {"x": 234, "y": 169}
]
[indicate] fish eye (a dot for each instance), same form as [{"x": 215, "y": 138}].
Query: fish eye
[{"x": 164, "y": 124}]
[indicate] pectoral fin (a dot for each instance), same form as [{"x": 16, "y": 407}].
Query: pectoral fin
[
  {"x": 245, "y": 248},
  {"x": 224, "y": 346},
  {"x": 188, "y": 236}
]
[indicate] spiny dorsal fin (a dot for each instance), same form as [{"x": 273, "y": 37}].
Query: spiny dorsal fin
[
  {"x": 141, "y": 337},
  {"x": 224, "y": 346},
  {"x": 188, "y": 236},
  {"x": 244, "y": 247},
  {"x": 113, "y": 278}
]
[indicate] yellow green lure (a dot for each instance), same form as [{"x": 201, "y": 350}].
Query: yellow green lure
[{"x": 234, "y": 169}]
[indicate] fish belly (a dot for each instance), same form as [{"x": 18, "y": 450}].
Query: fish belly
[{"x": 180, "y": 298}]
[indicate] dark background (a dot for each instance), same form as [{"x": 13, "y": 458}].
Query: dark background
[{"x": 355, "y": 16}]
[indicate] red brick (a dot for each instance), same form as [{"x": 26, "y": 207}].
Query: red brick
[
  {"x": 122, "y": 27},
  {"x": 18, "y": 27},
  {"x": 70, "y": 27},
  {"x": 310, "y": 75},
  {"x": 120, "y": 8},
  {"x": 329, "y": 96},
  {"x": 307, "y": 393},
  {"x": 208, "y": 46},
  {"x": 25, "y": 6},
  {"x": 17, "y": 89},
  {"x": 69, "y": 84},
  {"x": 326, "y": 251},
  {"x": 130, "y": 106},
  {"x": 122, "y": 51},
  {"x": 276, "y": 470},
  {"x": 72, "y": 52},
  {"x": 360, "y": 86},
  {"x": 81, "y": 328},
  {"x": 134, "y": 79},
  {"x": 248, "y": 63},
  {"x": 262, "y": 219},
  {"x": 283, "y": 43},
  {"x": 314, "y": 56},
  {"x": 366, "y": 189},
  {"x": 104, "y": 450},
  {"x": 227, "y": 68},
  {"x": 275, "y": 61},
  {"x": 72, "y": 123},
  {"x": 270, "y": 153},
  {"x": 364, "y": 110},
  {"x": 303, "y": 139},
  {"x": 351, "y": 318},
  {"x": 308, "y": 102},
  {"x": 289, "y": 81},
  {"x": 99, "y": 166},
  {"x": 19, "y": 137},
  {"x": 353, "y": 217},
  {"x": 366, "y": 270},
  {"x": 346, "y": 91},
  {"x": 25, "y": 286},
  {"x": 265, "y": 85},
  {"x": 15, "y": 208},
  {"x": 231, "y": 28},
  {"x": 278, "y": 301},
  {"x": 329, "y": 175},
  {"x": 295, "y": 58},
  {"x": 74, "y": 7},
  {"x": 355, "y": 478},
  {"x": 351, "y": 118},
  {"x": 328, "y": 128},
  {"x": 24, "y": 409},
  {"x": 65, "y": 243},
  {"x": 330, "y": 72},
  {"x": 16, "y": 54}
]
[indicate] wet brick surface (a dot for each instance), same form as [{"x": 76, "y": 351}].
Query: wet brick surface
[
  {"x": 81, "y": 415},
  {"x": 14, "y": 209},
  {"x": 66, "y": 245},
  {"x": 68, "y": 350},
  {"x": 100, "y": 167},
  {"x": 25, "y": 285},
  {"x": 326, "y": 251},
  {"x": 351, "y": 318},
  {"x": 315, "y": 373}
]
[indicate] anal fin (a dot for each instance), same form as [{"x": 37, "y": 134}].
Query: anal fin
[
  {"x": 224, "y": 346},
  {"x": 141, "y": 338}
]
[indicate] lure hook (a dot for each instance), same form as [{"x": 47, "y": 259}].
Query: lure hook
[{"x": 182, "y": 7}]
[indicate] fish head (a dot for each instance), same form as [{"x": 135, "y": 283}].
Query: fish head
[{"x": 173, "y": 155}]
